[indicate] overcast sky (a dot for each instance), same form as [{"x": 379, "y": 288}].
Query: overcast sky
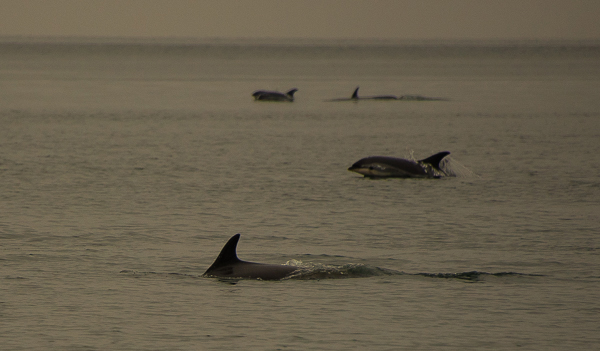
[{"x": 353, "y": 19}]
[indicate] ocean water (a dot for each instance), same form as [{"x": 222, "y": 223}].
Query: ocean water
[{"x": 125, "y": 166}]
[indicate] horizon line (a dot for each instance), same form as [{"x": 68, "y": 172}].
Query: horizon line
[{"x": 179, "y": 40}]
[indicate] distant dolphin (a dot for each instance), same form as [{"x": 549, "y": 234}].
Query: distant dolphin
[
  {"x": 229, "y": 265},
  {"x": 355, "y": 97},
  {"x": 392, "y": 167},
  {"x": 264, "y": 95}
]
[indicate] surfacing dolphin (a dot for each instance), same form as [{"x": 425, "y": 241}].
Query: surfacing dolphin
[
  {"x": 264, "y": 95},
  {"x": 228, "y": 265},
  {"x": 355, "y": 97},
  {"x": 393, "y": 167}
]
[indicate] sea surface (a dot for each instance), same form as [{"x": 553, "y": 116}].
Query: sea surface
[{"x": 126, "y": 165}]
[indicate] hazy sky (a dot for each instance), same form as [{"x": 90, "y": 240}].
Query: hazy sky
[{"x": 386, "y": 19}]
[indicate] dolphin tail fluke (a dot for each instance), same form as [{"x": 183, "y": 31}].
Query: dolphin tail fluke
[
  {"x": 435, "y": 160},
  {"x": 355, "y": 94},
  {"x": 291, "y": 92},
  {"x": 228, "y": 254}
]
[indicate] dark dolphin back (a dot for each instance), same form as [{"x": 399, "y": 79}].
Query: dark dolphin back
[
  {"x": 435, "y": 160},
  {"x": 228, "y": 254},
  {"x": 229, "y": 265},
  {"x": 355, "y": 94}
]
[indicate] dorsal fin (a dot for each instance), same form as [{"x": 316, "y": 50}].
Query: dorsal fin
[
  {"x": 355, "y": 94},
  {"x": 434, "y": 160},
  {"x": 291, "y": 92},
  {"x": 228, "y": 254}
]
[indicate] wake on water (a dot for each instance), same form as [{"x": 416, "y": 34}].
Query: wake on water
[
  {"x": 449, "y": 166},
  {"x": 453, "y": 168},
  {"x": 318, "y": 271},
  {"x": 351, "y": 270}
]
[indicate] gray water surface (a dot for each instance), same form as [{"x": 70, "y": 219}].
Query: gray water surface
[{"x": 126, "y": 167}]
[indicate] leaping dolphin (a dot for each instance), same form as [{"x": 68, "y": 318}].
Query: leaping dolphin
[
  {"x": 264, "y": 95},
  {"x": 355, "y": 97},
  {"x": 393, "y": 167},
  {"x": 229, "y": 265}
]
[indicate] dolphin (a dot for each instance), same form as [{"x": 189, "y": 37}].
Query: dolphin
[
  {"x": 355, "y": 97},
  {"x": 264, "y": 95},
  {"x": 393, "y": 167},
  {"x": 228, "y": 265}
]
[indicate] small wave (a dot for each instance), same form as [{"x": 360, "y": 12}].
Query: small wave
[
  {"x": 453, "y": 168},
  {"x": 317, "y": 271},
  {"x": 322, "y": 271},
  {"x": 473, "y": 275},
  {"x": 449, "y": 167},
  {"x": 138, "y": 274}
]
